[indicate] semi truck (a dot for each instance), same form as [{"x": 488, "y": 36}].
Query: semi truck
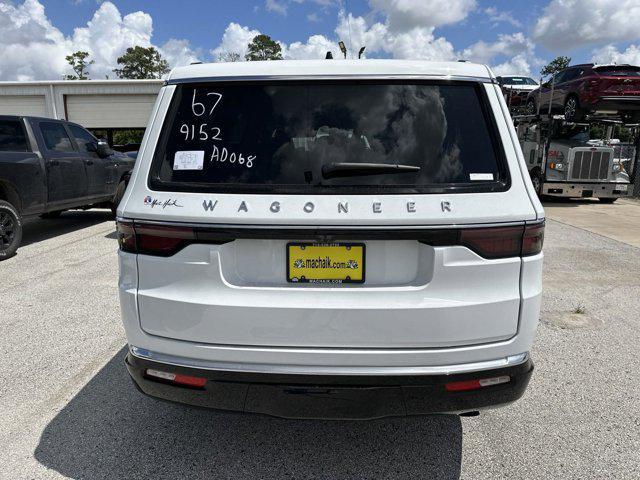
[{"x": 564, "y": 161}]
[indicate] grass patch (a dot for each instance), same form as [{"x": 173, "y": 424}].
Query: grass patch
[{"x": 580, "y": 310}]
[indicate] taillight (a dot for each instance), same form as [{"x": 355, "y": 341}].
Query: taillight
[
  {"x": 152, "y": 239},
  {"x": 493, "y": 242},
  {"x": 503, "y": 242},
  {"x": 126, "y": 236},
  {"x": 533, "y": 239}
]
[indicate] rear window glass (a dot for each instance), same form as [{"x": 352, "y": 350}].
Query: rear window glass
[
  {"x": 619, "y": 71},
  {"x": 12, "y": 137},
  {"x": 327, "y": 138},
  {"x": 518, "y": 81}
]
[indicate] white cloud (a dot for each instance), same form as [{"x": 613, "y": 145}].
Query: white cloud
[
  {"x": 518, "y": 49},
  {"x": 313, "y": 17},
  {"x": 32, "y": 48},
  {"x": 508, "y": 45},
  {"x": 316, "y": 47},
  {"x": 499, "y": 16},
  {"x": 417, "y": 42},
  {"x": 178, "y": 52},
  {"x": 107, "y": 35},
  {"x": 610, "y": 54},
  {"x": 276, "y": 6},
  {"x": 405, "y": 15},
  {"x": 356, "y": 32},
  {"x": 235, "y": 40},
  {"x": 569, "y": 24},
  {"x": 517, "y": 65}
]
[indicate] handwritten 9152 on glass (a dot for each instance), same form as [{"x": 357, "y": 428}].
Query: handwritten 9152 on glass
[{"x": 204, "y": 132}]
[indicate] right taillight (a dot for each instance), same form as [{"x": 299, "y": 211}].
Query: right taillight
[
  {"x": 504, "y": 242},
  {"x": 496, "y": 242},
  {"x": 532, "y": 239}
]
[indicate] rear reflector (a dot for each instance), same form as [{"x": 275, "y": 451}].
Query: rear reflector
[
  {"x": 475, "y": 384},
  {"x": 177, "y": 378}
]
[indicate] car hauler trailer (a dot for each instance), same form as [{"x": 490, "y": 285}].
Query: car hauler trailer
[{"x": 564, "y": 162}]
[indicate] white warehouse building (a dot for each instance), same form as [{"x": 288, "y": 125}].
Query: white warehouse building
[{"x": 95, "y": 104}]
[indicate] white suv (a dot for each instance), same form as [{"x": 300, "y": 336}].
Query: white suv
[{"x": 331, "y": 239}]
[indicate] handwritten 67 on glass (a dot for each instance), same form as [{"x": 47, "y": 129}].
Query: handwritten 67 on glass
[{"x": 197, "y": 132}]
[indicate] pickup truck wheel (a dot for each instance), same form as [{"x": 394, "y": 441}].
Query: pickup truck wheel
[
  {"x": 54, "y": 214},
  {"x": 122, "y": 186},
  {"x": 10, "y": 230}
]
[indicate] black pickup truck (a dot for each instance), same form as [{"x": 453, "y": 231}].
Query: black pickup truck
[{"x": 48, "y": 166}]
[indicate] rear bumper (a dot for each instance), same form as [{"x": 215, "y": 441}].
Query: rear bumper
[
  {"x": 577, "y": 190},
  {"x": 331, "y": 396},
  {"x": 617, "y": 103}
]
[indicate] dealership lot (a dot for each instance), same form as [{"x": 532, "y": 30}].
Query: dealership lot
[{"x": 69, "y": 408}]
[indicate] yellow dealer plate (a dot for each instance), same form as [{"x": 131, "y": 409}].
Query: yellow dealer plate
[{"x": 325, "y": 262}]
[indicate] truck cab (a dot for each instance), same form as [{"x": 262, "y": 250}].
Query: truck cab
[
  {"x": 564, "y": 162},
  {"x": 48, "y": 166}
]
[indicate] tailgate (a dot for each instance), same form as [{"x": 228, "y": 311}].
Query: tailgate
[{"x": 415, "y": 295}]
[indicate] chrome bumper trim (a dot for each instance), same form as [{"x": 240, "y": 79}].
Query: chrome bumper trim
[{"x": 329, "y": 370}]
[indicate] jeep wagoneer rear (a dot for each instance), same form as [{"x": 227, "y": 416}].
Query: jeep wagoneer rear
[{"x": 333, "y": 239}]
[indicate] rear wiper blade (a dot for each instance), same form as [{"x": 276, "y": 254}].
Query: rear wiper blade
[{"x": 345, "y": 169}]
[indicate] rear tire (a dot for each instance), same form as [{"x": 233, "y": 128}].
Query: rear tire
[
  {"x": 122, "y": 186},
  {"x": 531, "y": 108},
  {"x": 54, "y": 214},
  {"x": 536, "y": 179},
  {"x": 607, "y": 200},
  {"x": 10, "y": 230}
]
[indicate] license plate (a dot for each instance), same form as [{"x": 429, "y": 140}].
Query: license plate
[
  {"x": 622, "y": 188},
  {"x": 325, "y": 262}
]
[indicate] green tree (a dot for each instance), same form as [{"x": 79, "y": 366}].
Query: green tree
[
  {"x": 229, "y": 57},
  {"x": 262, "y": 47},
  {"x": 140, "y": 62},
  {"x": 124, "y": 137},
  {"x": 79, "y": 64},
  {"x": 555, "y": 65}
]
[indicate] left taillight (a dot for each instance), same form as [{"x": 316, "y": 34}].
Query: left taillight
[
  {"x": 149, "y": 239},
  {"x": 126, "y": 236}
]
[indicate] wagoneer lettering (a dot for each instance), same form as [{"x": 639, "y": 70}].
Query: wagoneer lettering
[{"x": 335, "y": 260}]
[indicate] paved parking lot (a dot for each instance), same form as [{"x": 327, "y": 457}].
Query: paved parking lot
[{"x": 69, "y": 409}]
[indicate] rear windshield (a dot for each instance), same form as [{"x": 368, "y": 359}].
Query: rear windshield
[
  {"x": 328, "y": 138},
  {"x": 627, "y": 71},
  {"x": 518, "y": 81}
]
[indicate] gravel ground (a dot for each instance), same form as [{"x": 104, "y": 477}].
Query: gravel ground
[{"x": 69, "y": 409}]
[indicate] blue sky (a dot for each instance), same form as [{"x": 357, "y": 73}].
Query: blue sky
[{"x": 513, "y": 36}]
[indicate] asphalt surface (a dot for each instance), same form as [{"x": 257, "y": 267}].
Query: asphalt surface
[{"x": 68, "y": 408}]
